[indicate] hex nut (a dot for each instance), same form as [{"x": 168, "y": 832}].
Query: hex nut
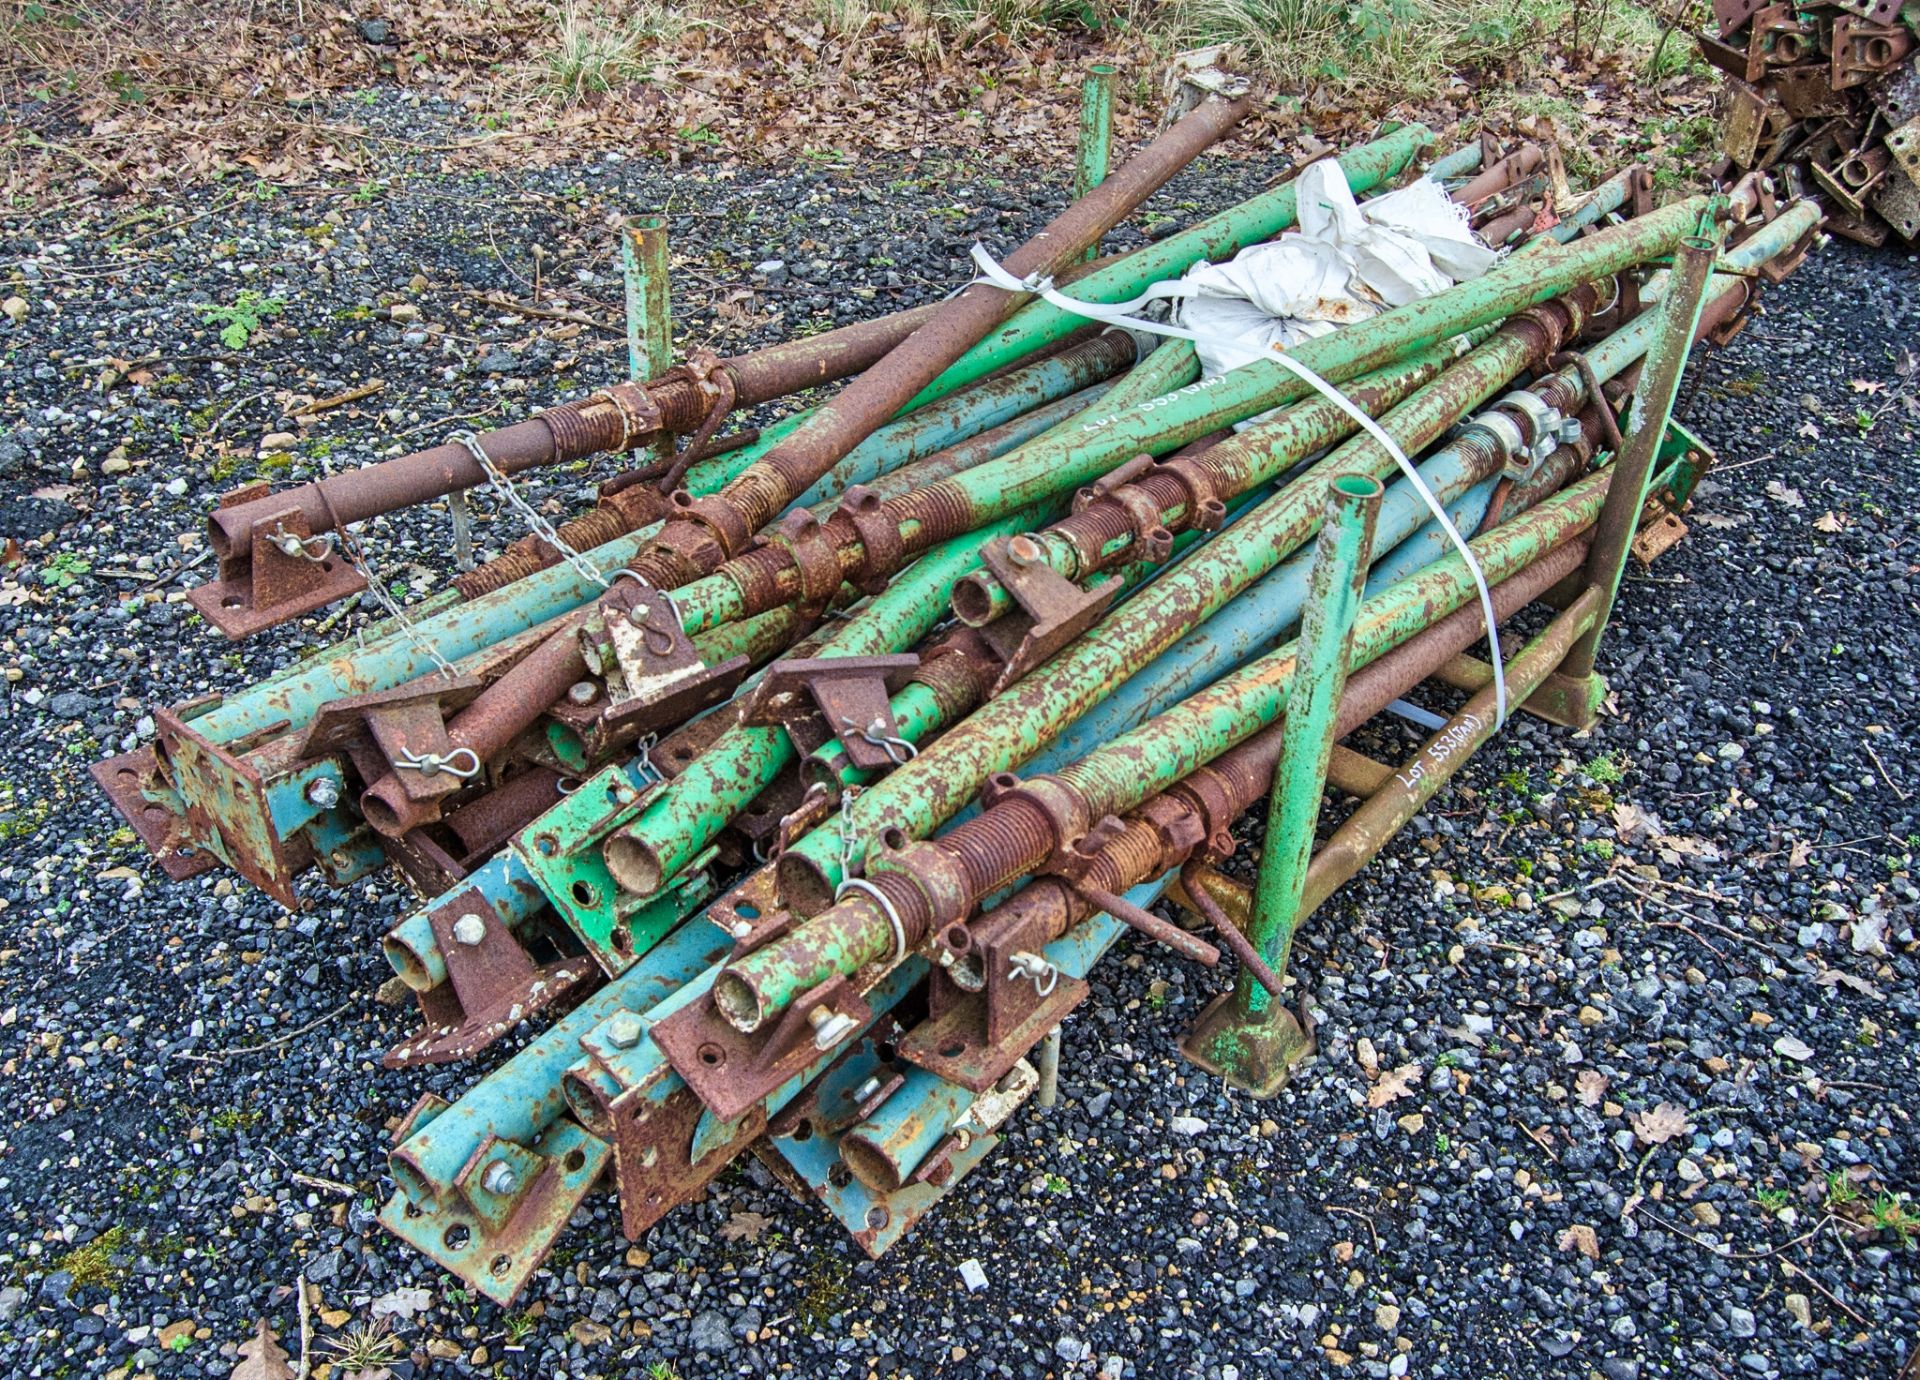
[{"x": 623, "y": 1030}]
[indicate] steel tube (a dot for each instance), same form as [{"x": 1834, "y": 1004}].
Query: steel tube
[
  {"x": 424, "y": 475},
  {"x": 1369, "y": 828},
  {"x": 1679, "y": 317},
  {"x": 1101, "y": 532},
  {"x": 524, "y": 1095},
  {"x": 1340, "y": 562},
  {"x": 1096, "y": 136},
  {"x": 857, "y": 930},
  {"x": 698, "y": 803},
  {"x": 643, "y": 262},
  {"x": 883, "y": 1151},
  {"x": 717, "y": 527},
  {"x": 918, "y": 796}
]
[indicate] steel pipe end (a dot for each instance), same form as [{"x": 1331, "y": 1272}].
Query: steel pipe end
[
  {"x": 584, "y": 1100},
  {"x": 388, "y": 809},
  {"x": 407, "y": 963},
  {"x": 871, "y": 1165},
  {"x": 1353, "y": 490},
  {"x": 972, "y": 600},
  {"x": 806, "y": 890},
  {"x": 738, "y": 1001},
  {"x": 634, "y": 863},
  {"x": 409, "y": 1176},
  {"x": 223, "y": 538}
]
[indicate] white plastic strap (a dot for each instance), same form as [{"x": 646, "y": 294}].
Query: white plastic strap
[
  {"x": 1119, "y": 314},
  {"x": 1414, "y": 714}
]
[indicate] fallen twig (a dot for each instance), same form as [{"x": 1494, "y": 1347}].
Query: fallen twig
[
  {"x": 222, "y": 1056},
  {"x": 319, "y": 405},
  {"x": 1355, "y": 1212},
  {"x": 577, "y": 318},
  {"x": 1793, "y": 1271},
  {"x": 331, "y": 1185},
  {"x": 1904, "y": 796}
]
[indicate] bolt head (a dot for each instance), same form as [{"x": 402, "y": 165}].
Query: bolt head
[
  {"x": 499, "y": 1178},
  {"x": 323, "y": 791},
  {"x": 469, "y": 929},
  {"x": 583, "y": 692},
  {"x": 623, "y": 1030}
]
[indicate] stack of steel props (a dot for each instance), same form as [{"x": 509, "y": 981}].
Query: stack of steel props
[
  {"x": 1831, "y": 91},
  {"x": 614, "y": 862},
  {"x": 254, "y": 781},
  {"x": 869, "y": 1031}
]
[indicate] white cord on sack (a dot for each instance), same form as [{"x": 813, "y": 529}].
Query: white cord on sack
[{"x": 1118, "y": 314}]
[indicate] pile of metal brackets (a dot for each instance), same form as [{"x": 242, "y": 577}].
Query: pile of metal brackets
[{"x": 1828, "y": 92}]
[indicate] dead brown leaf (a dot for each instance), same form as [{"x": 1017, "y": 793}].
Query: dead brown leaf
[
  {"x": 744, "y": 1226},
  {"x": 1393, "y": 1086},
  {"x": 1582, "y": 1238},
  {"x": 1591, "y": 1085},
  {"x": 1659, "y": 1124},
  {"x": 261, "y": 1357},
  {"x": 1833, "y": 977}
]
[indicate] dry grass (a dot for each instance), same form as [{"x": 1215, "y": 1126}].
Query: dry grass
[
  {"x": 1391, "y": 48},
  {"x": 596, "y": 49},
  {"x": 127, "y": 93}
]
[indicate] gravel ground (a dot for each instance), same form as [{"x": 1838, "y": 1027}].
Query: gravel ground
[{"x": 1708, "y": 904}]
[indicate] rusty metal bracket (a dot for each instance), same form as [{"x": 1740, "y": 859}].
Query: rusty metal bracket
[
  {"x": 512, "y": 1200},
  {"x": 1734, "y": 14},
  {"x": 282, "y": 571},
  {"x": 1904, "y": 144},
  {"x": 402, "y": 731},
  {"x": 153, "y": 810},
  {"x": 1898, "y": 98},
  {"x": 1756, "y": 127},
  {"x": 493, "y": 983},
  {"x": 884, "y": 552},
  {"x": 1729, "y": 59},
  {"x": 731, "y": 1070},
  {"x": 1596, "y": 395},
  {"x": 1874, "y": 11},
  {"x": 992, "y": 997},
  {"x": 851, "y": 693},
  {"x": 1848, "y": 179},
  {"x": 227, "y": 809},
  {"x": 816, "y": 559},
  {"x": 710, "y": 373},
  {"x": 1779, "y": 38},
  {"x": 1052, "y": 609},
  {"x": 656, "y": 1164},
  {"x": 1862, "y": 50},
  {"x": 654, "y": 676},
  {"x": 802, "y": 1144},
  {"x": 1897, "y": 201},
  {"x": 1807, "y": 92}
]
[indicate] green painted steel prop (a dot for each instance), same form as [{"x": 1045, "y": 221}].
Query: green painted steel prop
[{"x": 1253, "y": 1040}]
